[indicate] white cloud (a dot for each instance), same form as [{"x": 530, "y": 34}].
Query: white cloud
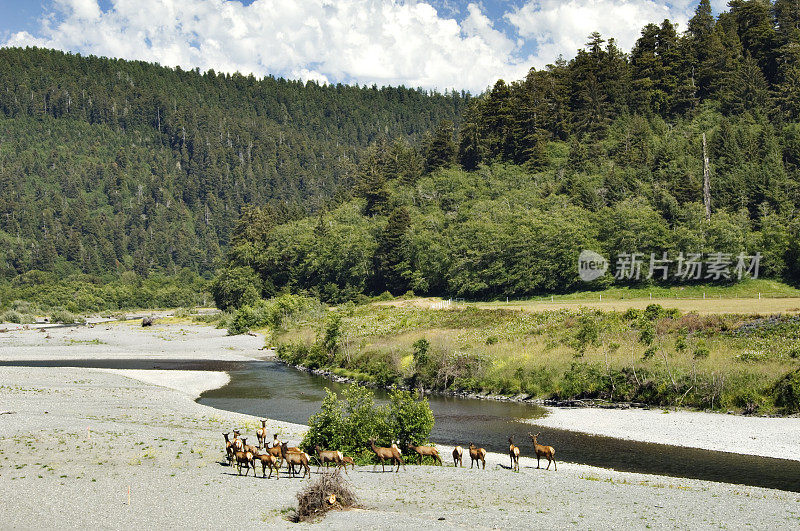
[
  {"x": 375, "y": 41},
  {"x": 388, "y": 42},
  {"x": 560, "y": 27}
]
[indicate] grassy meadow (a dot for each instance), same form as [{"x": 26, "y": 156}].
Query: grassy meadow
[{"x": 723, "y": 353}]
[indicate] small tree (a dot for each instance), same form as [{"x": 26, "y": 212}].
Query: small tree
[
  {"x": 235, "y": 287},
  {"x": 410, "y": 420}
]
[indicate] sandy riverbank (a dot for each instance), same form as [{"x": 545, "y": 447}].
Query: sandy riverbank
[
  {"x": 80, "y": 438},
  {"x": 766, "y": 437}
]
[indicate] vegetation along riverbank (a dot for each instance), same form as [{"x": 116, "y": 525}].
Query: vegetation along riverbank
[{"x": 656, "y": 355}]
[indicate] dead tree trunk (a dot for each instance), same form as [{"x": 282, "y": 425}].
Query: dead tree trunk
[{"x": 706, "y": 180}]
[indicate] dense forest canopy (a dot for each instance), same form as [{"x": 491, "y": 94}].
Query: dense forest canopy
[
  {"x": 108, "y": 166},
  {"x": 602, "y": 152}
]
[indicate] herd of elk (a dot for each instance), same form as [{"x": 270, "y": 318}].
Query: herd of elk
[{"x": 242, "y": 455}]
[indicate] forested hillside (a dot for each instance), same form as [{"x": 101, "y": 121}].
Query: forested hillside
[
  {"x": 109, "y": 165},
  {"x": 603, "y": 152}
]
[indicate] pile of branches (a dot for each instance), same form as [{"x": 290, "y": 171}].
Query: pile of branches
[{"x": 329, "y": 491}]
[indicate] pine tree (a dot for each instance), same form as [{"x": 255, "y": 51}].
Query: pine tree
[
  {"x": 392, "y": 264},
  {"x": 441, "y": 152}
]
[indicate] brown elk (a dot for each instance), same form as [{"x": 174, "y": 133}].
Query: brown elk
[
  {"x": 477, "y": 454},
  {"x": 393, "y": 454},
  {"x": 426, "y": 451},
  {"x": 244, "y": 459},
  {"x": 346, "y": 460},
  {"x": 248, "y": 447},
  {"x": 228, "y": 449},
  {"x": 458, "y": 456},
  {"x": 261, "y": 434},
  {"x": 543, "y": 451},
  {"x": 238, "y": 446},
  {"x": 513, "y": 452},
  {"x": 267, "y": 460},
  {"x": 328, "y": 456},
  {"x": 295, "y": 458}
]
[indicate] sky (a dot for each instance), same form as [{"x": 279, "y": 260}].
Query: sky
[{"x": 432, "y": 44}]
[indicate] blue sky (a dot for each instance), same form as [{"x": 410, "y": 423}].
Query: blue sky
[{"x": 441, "y": 44}]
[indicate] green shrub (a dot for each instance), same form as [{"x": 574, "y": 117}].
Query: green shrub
[
  {"x": 235, "y": 287},
  {"x": 243, "y": 320},
  {"x": 582, "y": 380},
  {"x": 701, "y": 352},
  {"x": 64, "y": 317},
  {"x": 632, "y": 314},
  {"x": 11, "y": 316},
  {"x": 786, "y": 392},
  {"x": 748, "y": 400},
  {"x": 349, "y": 424}
]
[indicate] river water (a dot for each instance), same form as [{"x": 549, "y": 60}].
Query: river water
[{"x": 270, "y": 389}]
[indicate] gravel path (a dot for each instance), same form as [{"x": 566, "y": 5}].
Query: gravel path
[{"x": 79, "y": 439}]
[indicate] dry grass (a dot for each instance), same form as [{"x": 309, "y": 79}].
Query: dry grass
[{"x": 763, "y": 306}]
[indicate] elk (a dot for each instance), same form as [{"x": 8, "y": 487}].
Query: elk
[
  {"x": 513, "y": 452},
  {"x": 295, "y": 458},
  {"x": 244, "y": 459},
  {"x": 248, "y": 447},
  {"x": 458, "y": 456},
  {"x": 261, "y": 434},
  {"x": 543, "y": 451},
  {"x": 228, "y": 449},
  {"x": 477, "y": 454},
  {"x": 426, "y": 451},
  {"x": 328, "y": 456},
  {"x": 346, "y": 460},
  {"x": 267, "y": 460},
  {"x": 393, "y": 454},
  {"x": 237, "y": 443}
]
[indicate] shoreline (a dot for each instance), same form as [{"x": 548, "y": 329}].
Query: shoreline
[
  {"x": 722, "y": 432},
  {"x": 758, "y": 436},
  {"x": 96, "y": 446}
]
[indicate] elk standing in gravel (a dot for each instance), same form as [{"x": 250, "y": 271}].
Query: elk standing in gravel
[
  {"x": 513, "y": 452},
  {"x": 228, "y": 449},
  {"x": 238, "y": 446},
  {"x": 477, "y": 454},
  {"x": 543, "y": 451},
  {"x": 248, "y": 447},
  {"x": 244, "y": 459},
  {"x": 267, "y": 460},
  {"x": 346, "y": 460},
  {"x": 295, "y": 458},
  {"x": 458, "y": 456},
  {"x": 261, "y": 434},
  {"x": 328, "y": 456},
  {"x": 382, "y": 453},
  {"x": 426, "y": 451}
]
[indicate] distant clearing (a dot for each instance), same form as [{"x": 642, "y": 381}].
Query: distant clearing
[{"x": 762, "y": 297}]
